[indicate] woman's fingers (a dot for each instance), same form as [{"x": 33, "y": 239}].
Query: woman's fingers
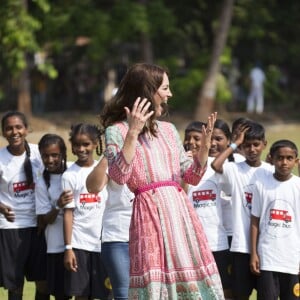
[{"x": 141, "y": 106}]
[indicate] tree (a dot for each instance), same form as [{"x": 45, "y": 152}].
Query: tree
[
  {"x": 206, "y": 98},
  {"x": 18, "y": 42}
]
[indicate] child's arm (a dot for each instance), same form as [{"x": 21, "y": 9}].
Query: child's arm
[
  {"x": 65, "y": 198},
  {"x": 98, "y": 178},
  {"x": 254, "y": 232},
  {"x": 218, "y": 162},
  {"x": 70, "y": 262}
]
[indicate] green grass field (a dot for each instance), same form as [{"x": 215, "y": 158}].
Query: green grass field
[{"x": 29, "y": 292}]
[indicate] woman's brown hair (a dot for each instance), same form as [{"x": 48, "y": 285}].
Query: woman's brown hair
[{"x": 141, "y": 80}]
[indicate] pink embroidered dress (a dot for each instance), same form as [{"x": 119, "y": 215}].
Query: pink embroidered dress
[{"x": 169, "y": 254}]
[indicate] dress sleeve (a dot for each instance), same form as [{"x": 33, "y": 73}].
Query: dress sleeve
[
  {"x": 118, "y": 169},
  {"x": 191, "y": 170}
]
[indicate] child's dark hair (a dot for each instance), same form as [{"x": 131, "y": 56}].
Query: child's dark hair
[
  {"x": 53, "y": 139},
  {"x": 255, "y": 132},
  {"x": 222, "y": 125},
  {"x": 27, "y": 162},
  {"x": 282, "y": 144},
  {"x": 194, "y": 126},
  {"x": 93, "y": 131}
]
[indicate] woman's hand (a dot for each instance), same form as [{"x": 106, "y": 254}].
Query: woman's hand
[
  {"x": 208, "y": 130},
  {"x": 139, "y": 115}
]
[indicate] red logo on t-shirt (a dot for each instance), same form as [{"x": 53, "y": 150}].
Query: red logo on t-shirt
[
  {"x": 89, "y": 198},
  {"x": 22, "y": 186},
  {"x": 280, "y": 214},
  {"x": 248, "y": 197},
  {"x": 204, "y": 195}
]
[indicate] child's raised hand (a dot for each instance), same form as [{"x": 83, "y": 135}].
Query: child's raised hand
[
  {"x": 239, "y": 135},
  {"x": 139, "y": 114}
]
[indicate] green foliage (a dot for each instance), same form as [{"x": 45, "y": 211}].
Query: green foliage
[
  {"x": 17, "y": 35},
  {"x": 129, "y": 18},
  {"x": 101, "y": 34},
  {"x": 223, "y": 94},
  {"x": 185, "y": 89}
]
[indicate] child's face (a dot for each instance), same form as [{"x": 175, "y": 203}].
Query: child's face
[
  {"x": 192, "y": 141},
  {"x": 252, "y": 150},
  {"x": 83, "y": 147},
  {"x": 284, "y": 160},
  {"x": 52, "y": 158},
  {"x": 219, "y": 142},
  {"x": 15, "y": 131}
]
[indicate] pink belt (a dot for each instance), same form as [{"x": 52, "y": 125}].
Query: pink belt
[{"x": 155, "y": 185}]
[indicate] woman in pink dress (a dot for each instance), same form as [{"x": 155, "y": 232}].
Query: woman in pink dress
[{"x": 169, "y": 254}]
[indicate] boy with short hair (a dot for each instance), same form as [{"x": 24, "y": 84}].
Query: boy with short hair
[
  {"x": 275, "y": 227},
  {"x": 240, "y": 177}
]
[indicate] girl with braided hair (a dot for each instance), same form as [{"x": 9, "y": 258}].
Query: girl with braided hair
[
  {"x": 85, "y": 276},
  {"x": 22, "y": 247},
  {"x": 50, "y": 200}
]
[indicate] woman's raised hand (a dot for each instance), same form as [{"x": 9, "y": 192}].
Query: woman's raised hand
[
  {"x": 208, "y": 130},
  {"x": 139, "y": 114}
]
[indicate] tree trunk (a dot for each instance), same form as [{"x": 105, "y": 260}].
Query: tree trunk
[
  {"x": 206, "y": 97},
  {"x": 147, "y": 49},
  {"x": 24, "y": 98},
  {"x": 146, "y": 42}
]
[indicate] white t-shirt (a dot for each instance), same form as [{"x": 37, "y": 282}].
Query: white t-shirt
[
  {"x": 14, "y": 190},
  {"x": 241, "y": 177},
  {"x": 277, "y": 204},
  {"x": 226, "y": 200},
  {"x": 45, "y": 201},
  {"x": 117, "y": 213},
  {"x": 205, "y": 198},
  {"x": 88, "y": 209}
]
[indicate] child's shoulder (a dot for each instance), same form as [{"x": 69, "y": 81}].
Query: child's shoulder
[
  {"x": 72, "y": 169},
  {"x": 295, "y": 179},
  {"x": 266, "y": 167}
]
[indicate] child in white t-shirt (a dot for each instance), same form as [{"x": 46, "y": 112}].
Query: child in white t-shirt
[
  {"x": 275, "y": 226},
  {"x": 86, "y": 275},
  {"x": 50, "y": 199},
  {"x": 22, "y": 247},
  {"x": 206, "y": 196},
  {"x": 115, "y": 233},
  {"x": 241, "y": 177}
]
